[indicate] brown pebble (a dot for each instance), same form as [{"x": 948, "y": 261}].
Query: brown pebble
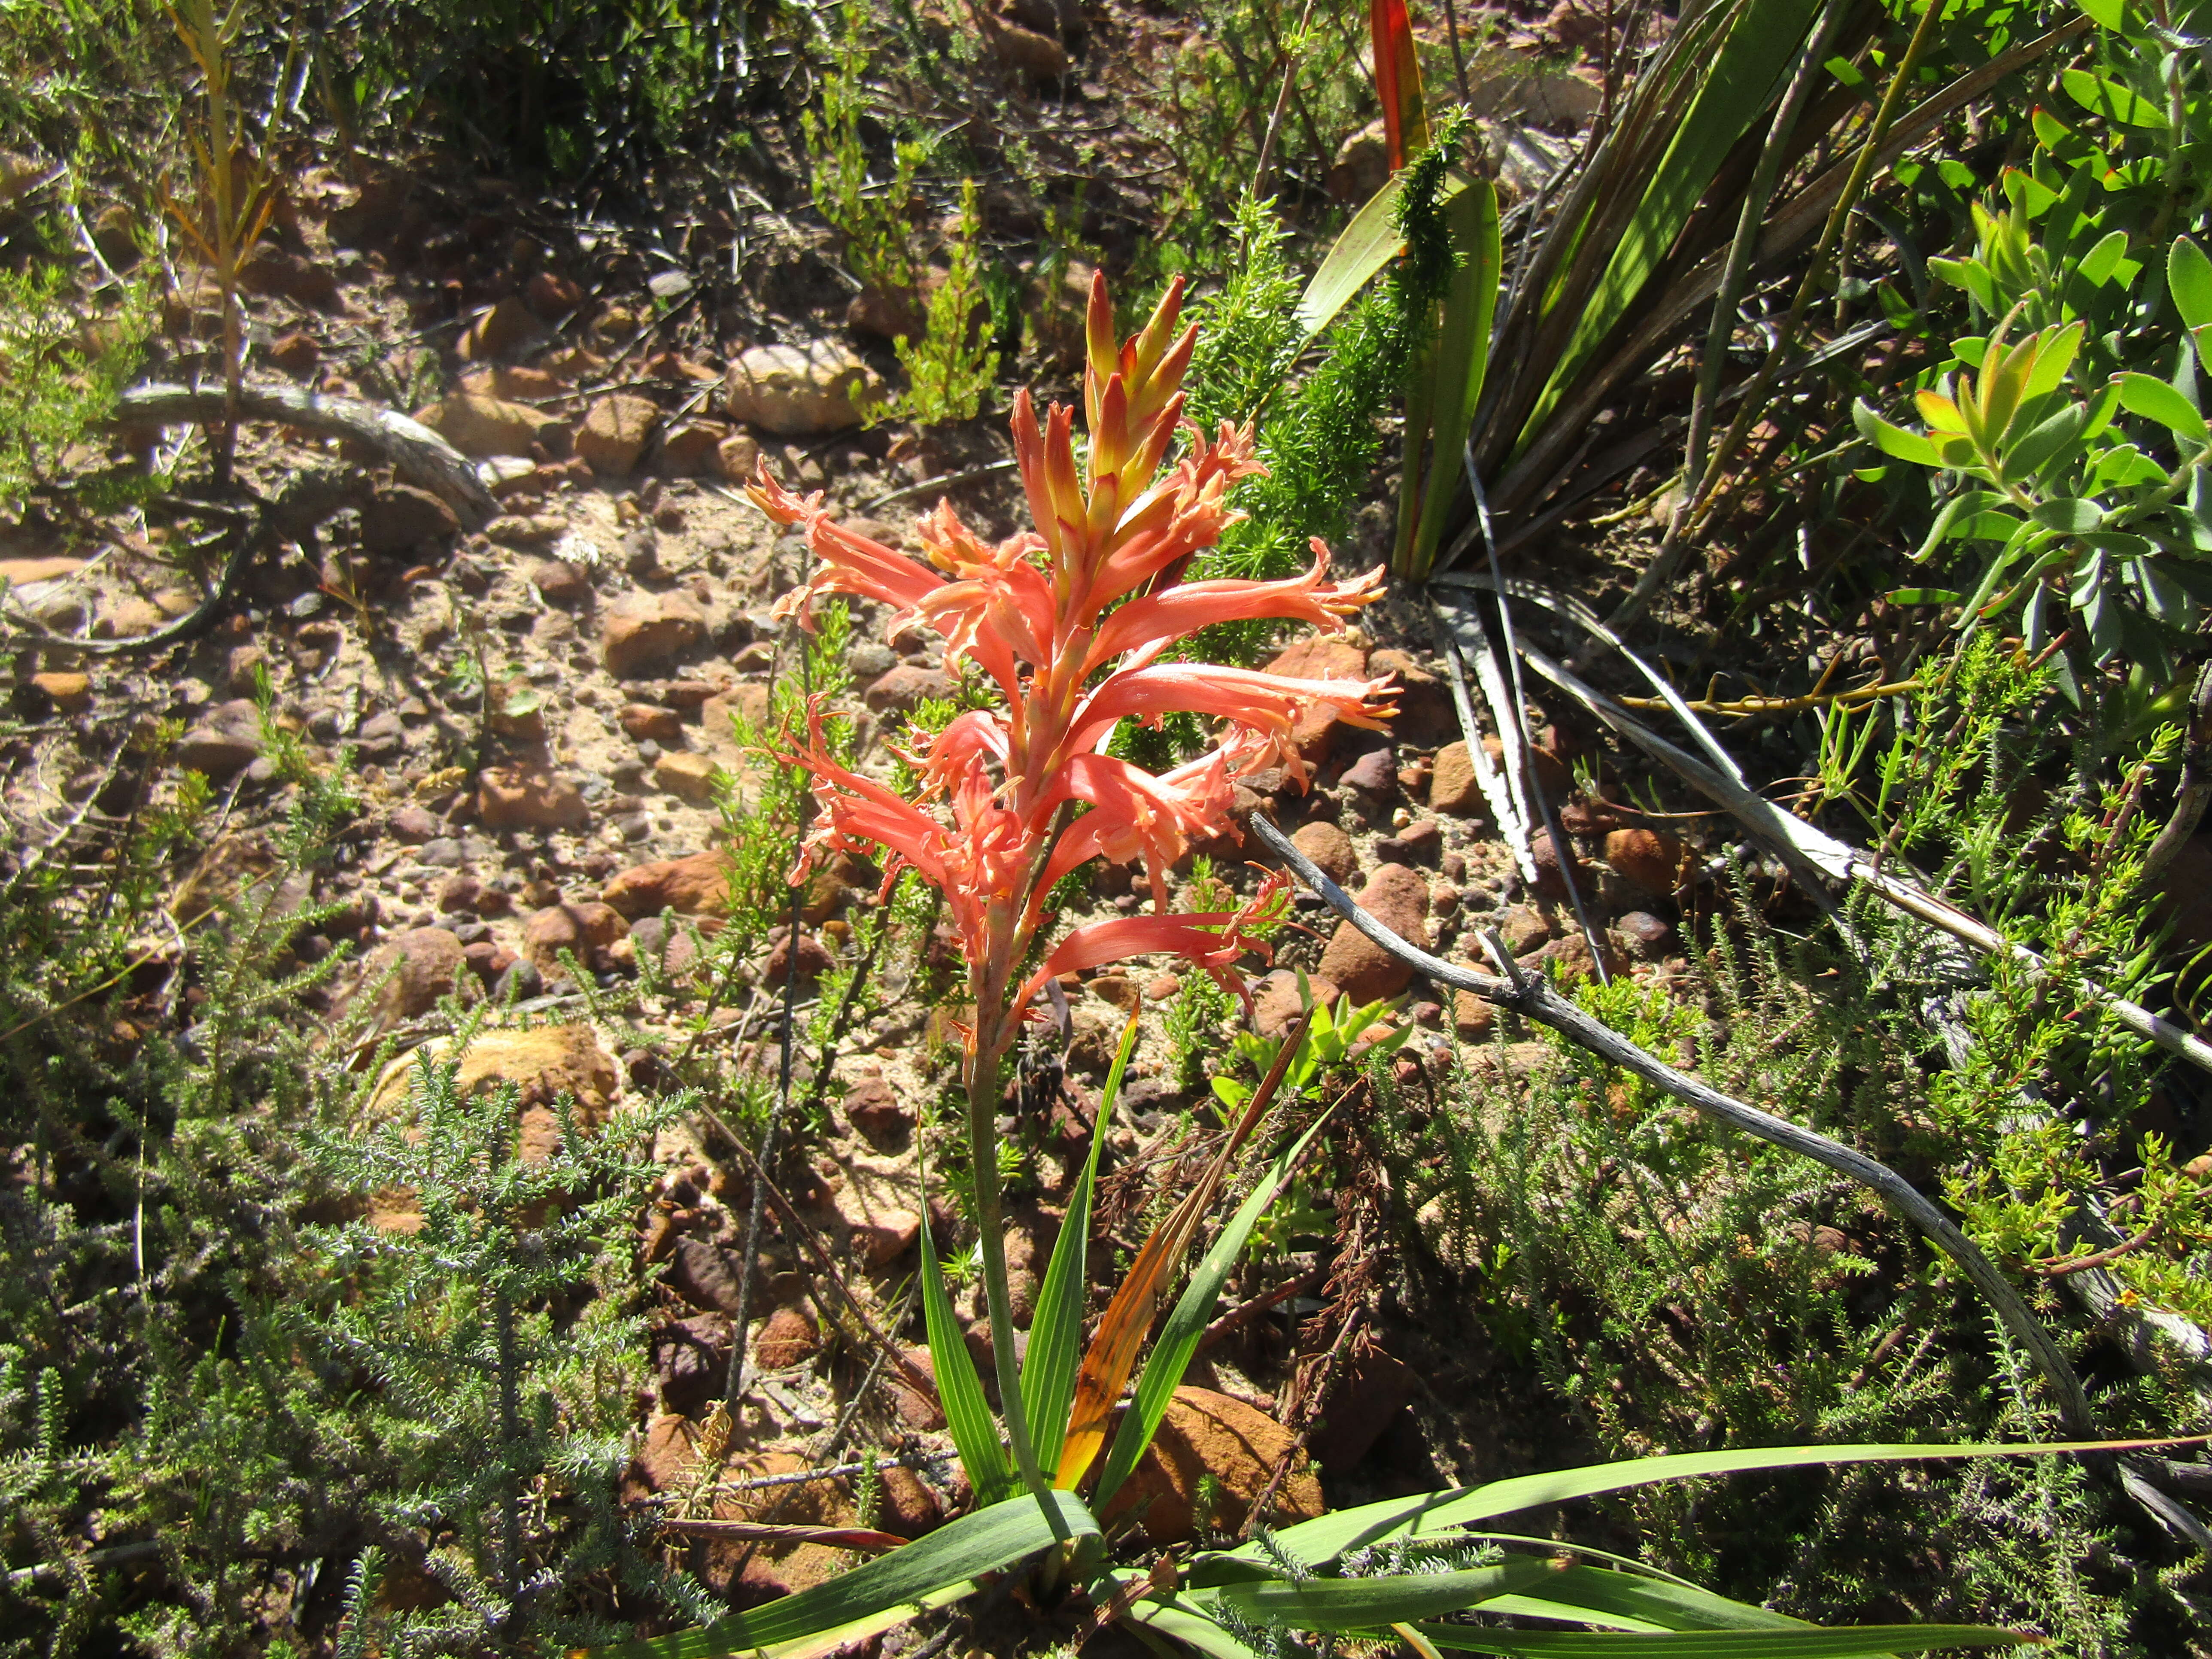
[{"x": 642, "y": 721}]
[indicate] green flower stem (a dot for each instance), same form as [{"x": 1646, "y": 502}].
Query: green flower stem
[{"x": 983, "y": 1074}]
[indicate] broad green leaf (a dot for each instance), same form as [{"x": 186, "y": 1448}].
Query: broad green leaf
[
  {"x": 2036, "y": 448},
  {"x": 1056, "y": 1335},
  {"x": 1921, "y": 596},
  {"x": 2070, "y": 515},
  {"x": 2104, "y": 14},
  {"x": 975, "y": 1434},
  {"x": 2054, "y": 356},
  {"x": 1891, "y": 438},
  {"x": 2111, "y": 100},
  {"x": 1462, "y": 359},
  {"x": 1186, "y": 1324},
  {"x": 2028, "y": 194},
  {"x": 1370, "y": 242},
  {"x": 1864, "y": 1643},
  {"x": 2124, "y": 466},
  {"x": 2166, "y": 599},
  {"x": 1747, "y": 71},
  {"x": 1997, "y": 526},
  {"x": 2154, "y": 400},
  {"x": 2001, "y": 386},
  {"x": 2120, "y": 544},
  {"x": 1427, "y": 1514},
  {"x": 1973, "y": 275},
  {"x": 2099, "y": 264},
  {"x": 2188, "y": 279},
  {"x": 1367, "y": 1603},
  {"x": 2104, "y": 404},
  {"x": 989, "y": 1541}
]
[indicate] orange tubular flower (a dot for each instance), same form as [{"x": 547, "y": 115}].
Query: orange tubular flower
[{"x": 1071, "y": 623}]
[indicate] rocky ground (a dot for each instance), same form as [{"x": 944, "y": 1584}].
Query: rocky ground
[{"x": 540, "y": 708}]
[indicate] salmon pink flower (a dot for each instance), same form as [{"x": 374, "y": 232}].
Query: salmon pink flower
[{"x": 1073, "y": 622}]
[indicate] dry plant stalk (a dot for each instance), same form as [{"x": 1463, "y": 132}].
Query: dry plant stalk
[{"x": 236, "y": 194}]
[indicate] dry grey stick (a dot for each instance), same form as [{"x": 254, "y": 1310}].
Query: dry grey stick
[
  {"x": 1533, "y": 998},
  {"x": 1808, "y": 850},
  {"x": 419, "y": 455},
  {"x": 1504, "y": 800},
  {"x": 246, "y": 534},
  {"x": 1521, "y": 753}
]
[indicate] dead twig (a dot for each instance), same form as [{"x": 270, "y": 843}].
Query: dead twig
[
  {"x": 420, "y": 456},
  {"x": 247, "y": 533},
  {"x": 1744, "y": 708},
  {"x": 2083, "y": 1263},
  {"x": 1308, "y": 1413},
  {"x": 1237, "y": 1317},
  {"x": 1812, "y": 856},
  {"x": 1534, "y": 1000}
]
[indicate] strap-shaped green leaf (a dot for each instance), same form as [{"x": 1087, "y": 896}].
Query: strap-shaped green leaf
[
  {"x": 1741, "y": 81},
  {"x": 989, "y": 1541},
  {"x": 2111, "y": 100},
  {"x": 1370, "y": 242},
  {"x": 1343, "y": 1604},
  {"x": 1178, "y": 1341},
  {"x": 2101, "y": 262},
  {"x": 1427, "y": 1513},
  {"x": 1892, "y": 439},
  {"x": 1959, "y": 510},
  {"x": 974, "y": 1433},
  {"x": 1056, "y": 1333},
  {"x": 1637, "y": 1600},
  {"x": 1184, "y": 1620},
  {"x": 1862, "y": 1643},
  {"x": 1462, "y": 360}
]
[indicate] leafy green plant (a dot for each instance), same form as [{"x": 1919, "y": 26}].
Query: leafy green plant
[
  {"x": 949, "y": 369},
  {"x": 59, "y": 378},
  {"x": 2078, "y": 448},
  {"x": 1328, "y": 1042},
  {"x": 1218, "y": 106},
  {"x": 876, "y": 222},
  {"x": 534, "y": 86},
  {"x": 503, "y": 1394},
  {"x": 1676, "y": 1285},
  {"x": 1950, "y": 792},
  {"x": 236, "y": 192}
]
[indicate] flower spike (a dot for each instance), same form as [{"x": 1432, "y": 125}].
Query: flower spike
[{"x": 1072, "y": 623}]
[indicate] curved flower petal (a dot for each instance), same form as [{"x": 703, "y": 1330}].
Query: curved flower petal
[
  {"x": 1136, "y": 815},
  {"x": 1267, "y": 703},
  {"x": 1209, "y": 939},
  {"x": 1183, "y": 609},
  {"x": 851, "y": 563}
]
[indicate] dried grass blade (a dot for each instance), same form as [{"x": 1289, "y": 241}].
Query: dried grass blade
[
  {"x": 1128, "y": 1317},
  {"x": 1056, "y": 1335}
]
